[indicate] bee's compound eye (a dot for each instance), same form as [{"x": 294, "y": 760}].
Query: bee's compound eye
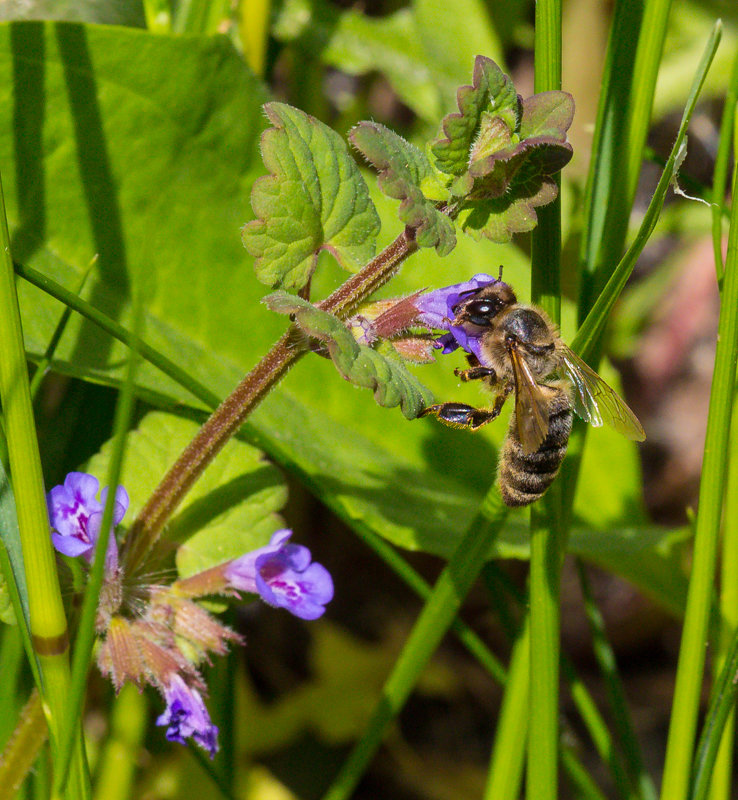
[{"x": 480, "y": 312}]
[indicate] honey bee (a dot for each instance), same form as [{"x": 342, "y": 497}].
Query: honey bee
[{"x": 521, "y": 351}]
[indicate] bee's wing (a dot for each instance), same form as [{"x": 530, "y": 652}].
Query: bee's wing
[
  {"x": 595, "y": 402},
  {"x": 531, "y": 409}
]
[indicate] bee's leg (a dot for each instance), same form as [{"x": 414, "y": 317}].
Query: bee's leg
[
  {"x": 476, "y": 373},
  {"x": 460, "y": 415}
]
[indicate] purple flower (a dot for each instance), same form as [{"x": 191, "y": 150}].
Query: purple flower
[
  {"x": 437, "y": 311},
  {"x": 75, "y": 516},
  {"x": 186, "y": 716},
  {"x": 284, "y": 576}
]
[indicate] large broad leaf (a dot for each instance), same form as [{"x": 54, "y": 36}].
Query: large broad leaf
[
  {"x": 232, "y": 508},
  {"x": 106, "y": 154}
]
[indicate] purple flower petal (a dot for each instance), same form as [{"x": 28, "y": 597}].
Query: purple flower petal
[
  {"x": 75, "y": 515},
  {"x": 284, "y": 576},
  {"x": 187, "y": 717},
  {"x": 304, "y": 594},
  {"x": 437, "y": 312}
]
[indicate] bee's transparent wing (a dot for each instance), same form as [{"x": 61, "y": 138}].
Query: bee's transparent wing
[
  {"x": 531, "y": 409},
  {"x": 595, "y": 402}
]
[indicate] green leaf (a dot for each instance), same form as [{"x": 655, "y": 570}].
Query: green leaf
[
  {"x": 503, "y": 151},
  {"x": 402, "y": 169},
  {"x": 386, "y": 376},
  {"x": 498, "y": 218},
  {"x": 314, "y": 199},
  {"x": 232, "y": 509},
  {"x": 542, "y": 145},
  {"x": 491, "y": 94}
]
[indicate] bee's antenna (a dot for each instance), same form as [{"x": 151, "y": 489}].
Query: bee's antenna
[{"x": 499, "y": 277}]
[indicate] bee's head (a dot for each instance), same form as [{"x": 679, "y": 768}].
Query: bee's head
[{"x": 481, "y": 306}]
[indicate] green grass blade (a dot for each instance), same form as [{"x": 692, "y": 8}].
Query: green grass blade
[
  {"x": 616, "y": 694},
  {"x": 712, "y": 484},
  {"x": 56, "y": 336},
  {"x": 118, "y": 332},
  {"x": 623, "y": 119},
  {"x": 723, "y": 770},
  {"x": 597, "y": 730},
  {"x": 48, "y": 622},
  {"x": 508, "y": 752},
  {"x": 721, "y": 707},
  {"x": 585, "y": 342},
  {"x": 587, "y": 788},
  {"x": 120, "y": 757},
  {"x": 85, "y": 639},
  {"x": 546, "y": 534},
  {"x": 722, "y": 164}
]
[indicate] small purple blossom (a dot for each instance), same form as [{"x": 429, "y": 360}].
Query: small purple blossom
[
  {"x": 75, "y": 515},
  {"x": 186, "y": 716},
  {"x": 437, "y": 312},
  {"x": 284, "y": 577}
]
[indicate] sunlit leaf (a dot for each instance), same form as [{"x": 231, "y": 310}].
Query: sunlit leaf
[
  {"x": 314, "y": 199},
  {"x": 402, "y": 169},
  {"x": 385, "y": 375}
]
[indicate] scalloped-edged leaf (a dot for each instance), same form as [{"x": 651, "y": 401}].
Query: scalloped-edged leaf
[
  {"x": 313, "y": 199},
  {"x": 386, "y": 376},
  {"x": 498, "y": 218},
  {"x": 403, "y": 168},
  {"x": 547, "y": 116},
  {"x": 231, "y": 509},
  {"x": 491, "y": 93}
]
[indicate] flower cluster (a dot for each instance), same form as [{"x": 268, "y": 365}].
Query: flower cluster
[{"x": 169, "y": 636}]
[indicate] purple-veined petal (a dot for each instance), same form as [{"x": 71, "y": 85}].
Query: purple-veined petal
[
  {"x": 284, "y": 576},
  {"x": 75, "y": 515}
]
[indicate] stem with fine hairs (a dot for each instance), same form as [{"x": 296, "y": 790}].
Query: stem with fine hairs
[{"x": 225, "y": 421}]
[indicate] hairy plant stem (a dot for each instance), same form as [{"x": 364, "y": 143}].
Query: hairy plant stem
[{"x": 225, "y": 421}]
